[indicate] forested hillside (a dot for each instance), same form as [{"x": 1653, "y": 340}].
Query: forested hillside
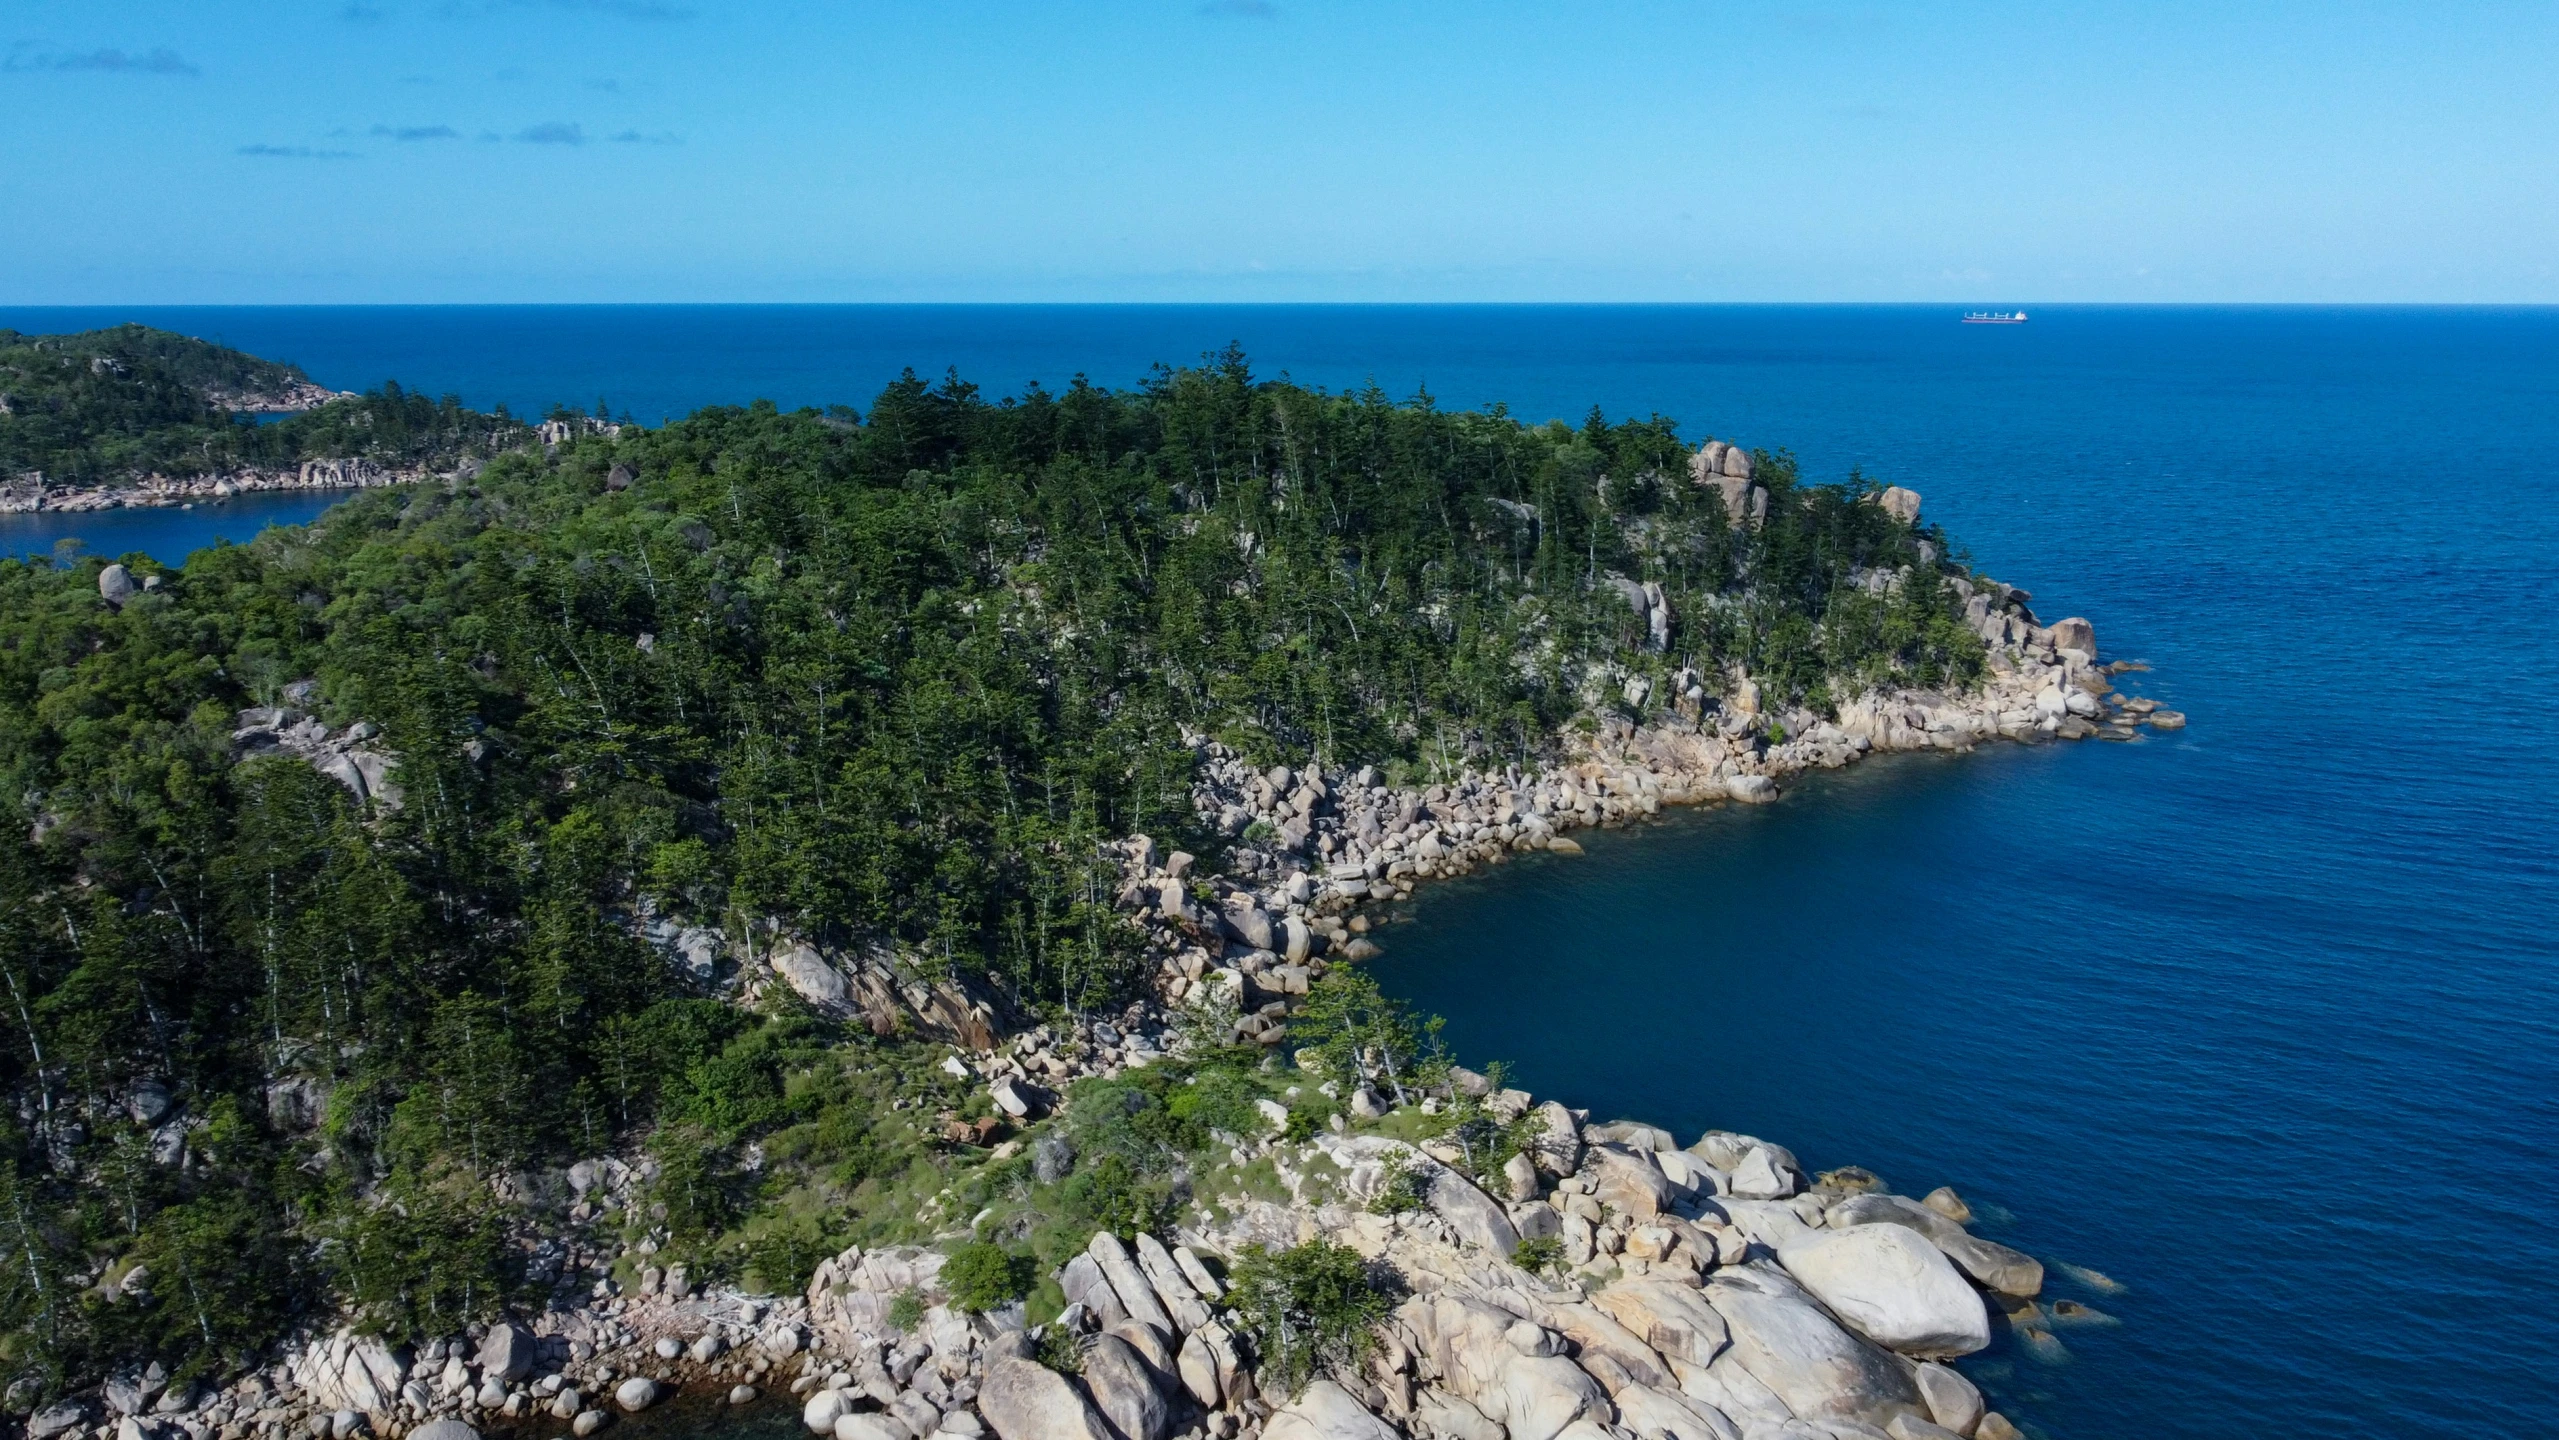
[
  {"x": 885, "y": 679},
  {"x": 111, "y": 405}
]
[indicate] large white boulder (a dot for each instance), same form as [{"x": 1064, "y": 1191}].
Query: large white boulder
[
  {"x": 1952, "y": 1400},
  {"x": 1541, "y": 1394},
  {"x": 508, "y": 1352},
  {"x": 1629, "y": 1181},
  {"x": 1762, "y": 1176},
  {"x": 1558, "y": 1146},
  {"x": 1991, "y": 1265},
  {"x": 1248, "y": 922},
  {"x": 1673, "y": 1319},
  {"x": 822, "y": 1409},
  {"x": 1444, "y": 1415},
  {"x": 1690, "y": 1173},
  {"x": 1477, "y": 1218},
  {"x": 1657, "y": 1414},
  {"x": 1786, "y": 1342},
  {"x": 2074, "y": 633},
  {"x": 1197, "y": 1368},
  {"x": 1893, "y": 1287},
  {"x": 1136, "y": 1295},
  {"x": 1025, "y": 1400},
  {"x": 1172, "y": 1287},
  {"x": 1598, "y": 1335},
  {"x": 1466, "y": 1340},
  {"x": 807, "y": 972},
  {"x": 1731, "y": 1391},
  {"x": 1326, "y": 1412},
  {"x": 1124, "y": 1390},
  {"x": 1750, "y": 789}
]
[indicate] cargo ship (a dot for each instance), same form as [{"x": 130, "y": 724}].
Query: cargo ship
[{"x": 1995, "y": 317}]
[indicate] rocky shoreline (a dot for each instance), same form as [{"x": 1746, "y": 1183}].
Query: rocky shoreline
[
  {"x": 1712, "y": 1292},
  {"x": 162, "y": 491}
]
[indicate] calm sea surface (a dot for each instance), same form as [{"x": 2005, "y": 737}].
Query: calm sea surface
[{"x": 2260, "y": 1019}]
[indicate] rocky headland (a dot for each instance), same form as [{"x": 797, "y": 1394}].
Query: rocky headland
[
  {"x": 1607, "y": 1282},
  {"x": 29, "y": 494}
]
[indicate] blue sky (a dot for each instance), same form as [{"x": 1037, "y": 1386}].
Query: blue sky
[{"x": 677, "y": 150}]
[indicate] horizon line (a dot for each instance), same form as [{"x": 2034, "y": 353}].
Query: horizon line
[{"x": 2029, "y": 304}]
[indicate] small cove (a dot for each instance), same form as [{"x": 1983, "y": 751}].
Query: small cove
[{"x": 166, "y": 533}]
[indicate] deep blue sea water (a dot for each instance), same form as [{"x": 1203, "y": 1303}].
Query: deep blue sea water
[{"x": 2261, "y": 1019}]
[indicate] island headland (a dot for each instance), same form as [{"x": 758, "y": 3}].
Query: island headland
[
  {"x": 868, "y": 909},
  {"x": 132, "y": 416}
]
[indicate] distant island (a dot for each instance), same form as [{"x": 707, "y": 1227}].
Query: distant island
[
  {"x": 137, "y": 416},
  {"x": 865, "y": 907}
]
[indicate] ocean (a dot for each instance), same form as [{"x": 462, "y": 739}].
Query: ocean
[{"x": 2259, "y": 1019}]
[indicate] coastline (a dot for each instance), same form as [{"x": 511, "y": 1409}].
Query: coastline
[
  {"x": 1716, "y": 1290},
  {"x": 1712, "y": 1291},
  {"x": 1837, "y": 1303},
  {"x": 162, "y": 491}
]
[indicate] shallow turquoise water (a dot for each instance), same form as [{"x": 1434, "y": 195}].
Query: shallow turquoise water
[{"x": 2258, "y": 1018}]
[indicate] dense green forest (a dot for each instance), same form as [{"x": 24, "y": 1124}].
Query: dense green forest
[
  {"x": 112, "y": 405},
  {"x": 881, "y": 678}
]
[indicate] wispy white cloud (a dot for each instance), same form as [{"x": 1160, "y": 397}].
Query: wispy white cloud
[
  {"x": 417, "y": 132},
  {"x": 634, "y": 137},
  {"x": 617, "y": 9},
  {"x": 627, "y": 9},
  {"x": 159, "y": 60},
  {"x": 552, "y": 132}
]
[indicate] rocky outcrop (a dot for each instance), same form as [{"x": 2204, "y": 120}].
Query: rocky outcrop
[
  {"x": 1124, "y": 1389},
  {"x": 1893, "y": 1287},
  {"x": 1987, "y": 1263},
  {"x": 1787, "y": 1343},
  {"x": 1025, "y": 1400},
  {"x": 348, "y": 1371},
  {"x": 1651, "y": 606},
  {"x": 291, "y": 398},
  {"x": 116, "y": 586},
  {"x": 349, "y": 756},
  {"x": 1901, "y": 504},
  {"x": 1726, "y": 469},
  {"x": 874, "y": 988},
  {"x": 1326, "y": 1412}
]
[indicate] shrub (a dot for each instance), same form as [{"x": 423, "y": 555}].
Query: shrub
[
  {"x": 906, "y": 1311},
  {"x": 1058, "y": 1351},
  {"x": 1399, "y": 1189},
  {"x": 1539, "y": 1256},
  {"x": 1305, "y": 1120},
  {"x": 783, "y": 1255},
  {"x": 1309, "y": 1308},
  {"x": 1219, "y": 1100},
  {"x": 1110, "y": 1195},
  {"x": 982, "y": 1277}
]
